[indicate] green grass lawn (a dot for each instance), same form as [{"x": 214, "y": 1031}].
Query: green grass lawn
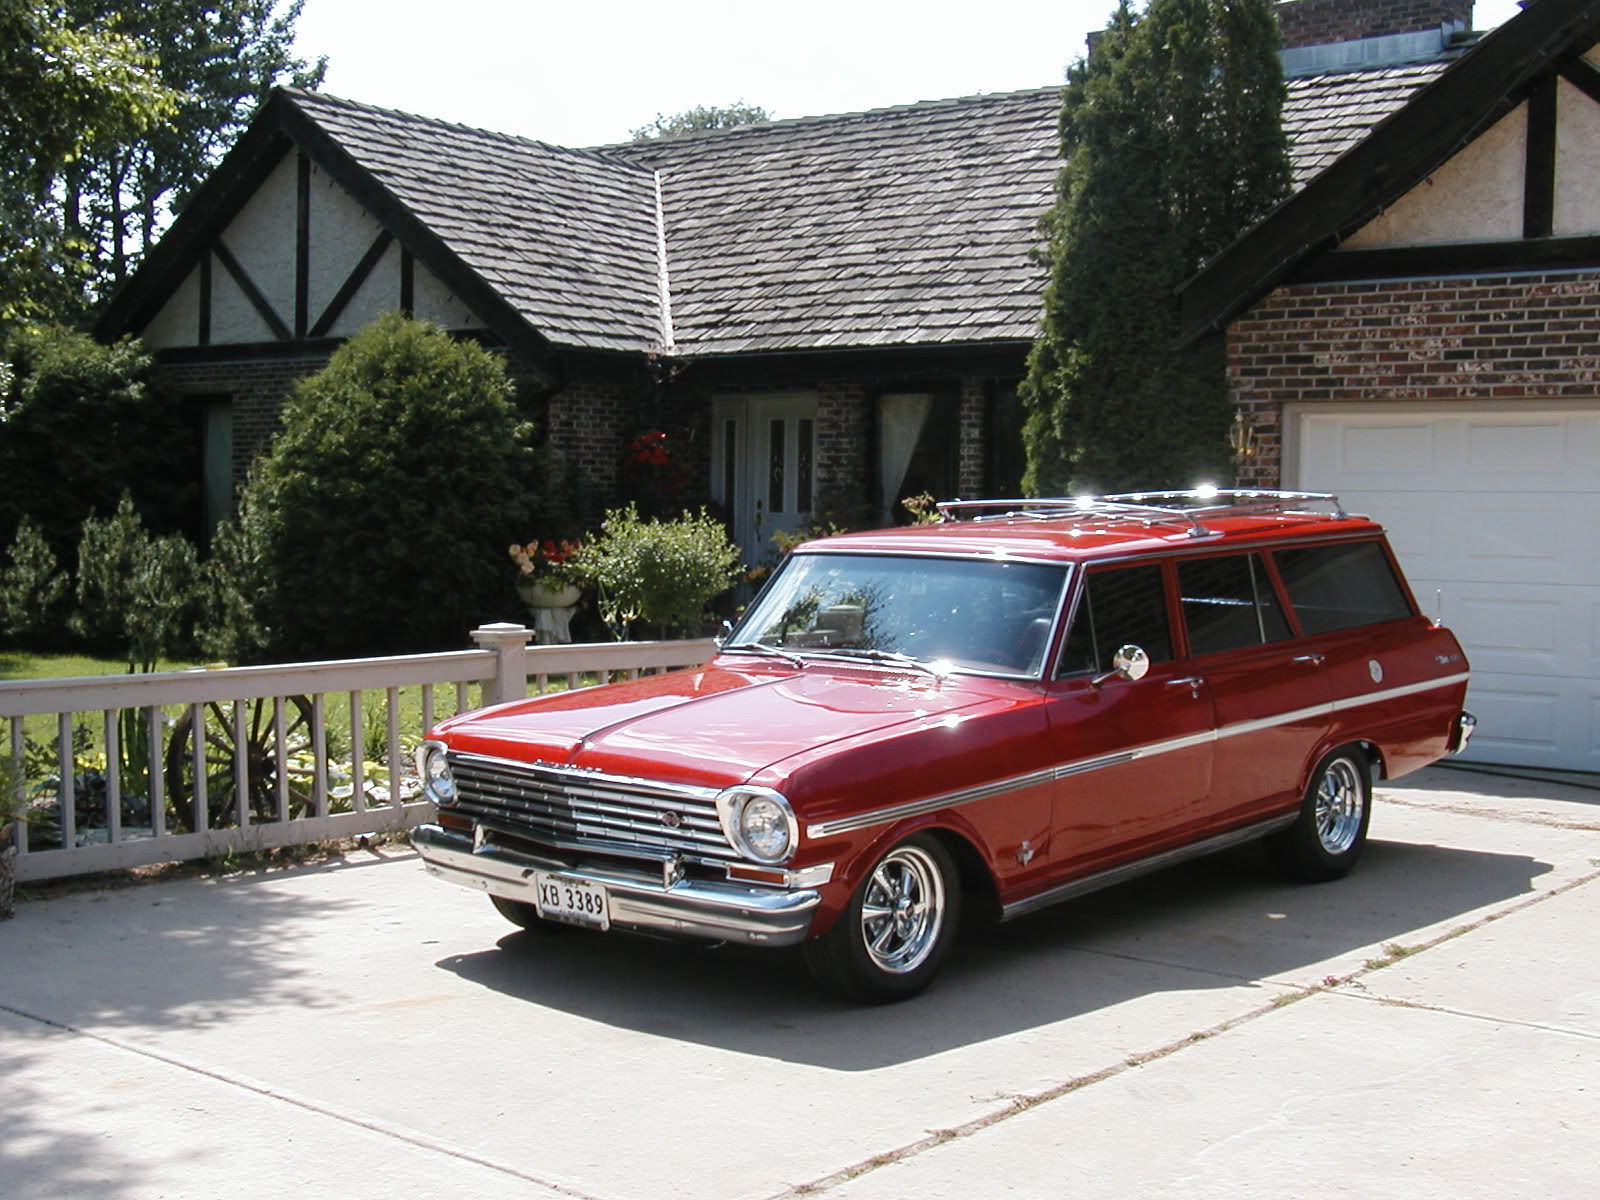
[{"x": 44, "y": 664}]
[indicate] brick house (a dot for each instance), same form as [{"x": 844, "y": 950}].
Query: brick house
[
  {"x": 827, "y": 313},
  {"x": 833, "y": 312},
  {"x": 1418, "y": 330}
]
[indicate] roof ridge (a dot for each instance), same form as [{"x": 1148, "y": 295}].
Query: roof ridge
[
  {"x": 298, "y": 95},
  {"x": 754, "y": 127}
]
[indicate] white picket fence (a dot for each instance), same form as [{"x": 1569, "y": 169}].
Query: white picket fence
[{"x": 267, "y": 772}]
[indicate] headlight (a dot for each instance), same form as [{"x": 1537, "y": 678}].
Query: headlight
[
  {"x": 759, "y": 823},
  {"x": 434, "y": 768}
]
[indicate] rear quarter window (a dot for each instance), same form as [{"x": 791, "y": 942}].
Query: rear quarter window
[{"x": 1341, "y": 586}]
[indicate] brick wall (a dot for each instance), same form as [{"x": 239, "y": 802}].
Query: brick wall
[
  {"x": 1325, "y": 22},
  {"x": 843, "y": 437},
  {"x": 257, "y": 389},
  {"x": 1502, "y": 338},
  {"x": 974, "y": 451}
]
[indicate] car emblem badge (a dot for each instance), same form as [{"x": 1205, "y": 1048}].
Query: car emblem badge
[
  {"x": 1375, "y": 669},
  {"x": 671, "y": 820}
]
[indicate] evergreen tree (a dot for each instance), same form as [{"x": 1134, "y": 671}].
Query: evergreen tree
[{"x": 1172, "y": 141}]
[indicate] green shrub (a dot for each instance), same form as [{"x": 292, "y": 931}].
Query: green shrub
[
  {"x": 387, "y": 501},
  {"x": 32, "y": 587},
  {"x": 134, "y": 591},
  {"x": 657, "y": 573},
  {"x": 232, "y": 581},
  {"x": 79, "y": 425}
]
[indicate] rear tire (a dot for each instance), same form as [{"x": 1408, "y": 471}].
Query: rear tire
[
  {"x": 1330, "y": 831},
  {"x": 893, "y": 936}
]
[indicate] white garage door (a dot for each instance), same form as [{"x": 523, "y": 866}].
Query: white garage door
[{"x": 1498, "y": 515}]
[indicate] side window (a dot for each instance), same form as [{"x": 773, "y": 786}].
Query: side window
[
  {"x": 1119, "y": 607},
  {"x": 1228, "y": 602},
  {"x": 1341, "y": 586}
]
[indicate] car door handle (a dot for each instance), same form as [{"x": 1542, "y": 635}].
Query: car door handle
[
  {"x": 1193, "y": 682},
  {"x": 1316, "y": 660}
]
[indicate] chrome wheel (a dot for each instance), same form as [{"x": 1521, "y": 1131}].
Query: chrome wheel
[
  {"x": 1330, "y": 829},
  {"x": 1341, "y": 804},
  {"x": 895, "y": 932},
  {"x": 902, "y": 910}
]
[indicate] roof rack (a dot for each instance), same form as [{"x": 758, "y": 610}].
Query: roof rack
[{"x": 1184, "y": 510}]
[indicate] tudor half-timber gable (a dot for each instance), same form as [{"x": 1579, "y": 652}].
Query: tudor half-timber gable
[{"x": 1418, "y": 330}]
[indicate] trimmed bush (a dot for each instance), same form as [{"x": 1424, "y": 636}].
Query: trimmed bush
[
  {"x": 657, "y": 573},
  {"x": 385, "y": 505}
]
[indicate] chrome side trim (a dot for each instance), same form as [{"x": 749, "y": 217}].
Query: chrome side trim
[
  {"x": 1116, "y": 875},
  {"x": 645, "y": 902},
  {"x": 1066, "y": 770},
  {"x": 1410, "y": 689}
]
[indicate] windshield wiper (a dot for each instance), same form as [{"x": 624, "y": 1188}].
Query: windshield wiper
[
  {"x": 883, "y": 656},
  {"x": 763, "y": 648}
]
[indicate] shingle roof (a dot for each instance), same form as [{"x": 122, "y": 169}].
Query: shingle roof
[
  {"x": 1324, "y": 115},
  {"x": 904, "y": 226},
  {"x": 566, "y": 236},
  {"x": 899, "y": 227}
]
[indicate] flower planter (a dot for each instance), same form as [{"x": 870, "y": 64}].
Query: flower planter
[{"x": 547, "y": 593}]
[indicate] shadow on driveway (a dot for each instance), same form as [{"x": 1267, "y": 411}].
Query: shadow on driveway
[{"x": 1225, "y": 921}]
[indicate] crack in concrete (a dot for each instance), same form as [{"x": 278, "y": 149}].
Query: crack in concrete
[
  {"x": 1023, "y": 1103},
  {"x": 375, "y": 1125}
]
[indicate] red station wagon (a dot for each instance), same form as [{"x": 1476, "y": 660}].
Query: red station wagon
[{"x": 1021, "y": 703}]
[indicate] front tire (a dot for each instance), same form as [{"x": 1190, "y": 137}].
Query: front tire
[
  {"x": 1327, "y": 836},
  {"x": 893, "y": 936},
  {"x": 520, "y": 912}
]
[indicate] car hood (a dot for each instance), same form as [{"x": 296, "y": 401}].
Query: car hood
[{"x": 713, "y": 727}]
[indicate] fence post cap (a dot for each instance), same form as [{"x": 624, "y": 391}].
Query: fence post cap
[{"x": 502, "y": 634}]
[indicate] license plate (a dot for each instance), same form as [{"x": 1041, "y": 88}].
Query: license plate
[{"x": 573, "y": 901}]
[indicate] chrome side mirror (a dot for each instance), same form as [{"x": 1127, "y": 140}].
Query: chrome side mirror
[
  {"x": 721, "y": 639},
  {"x": 1130, "y": 662}
]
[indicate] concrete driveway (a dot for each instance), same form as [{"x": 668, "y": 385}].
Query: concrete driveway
[{"x": 1428, "y": 1027}]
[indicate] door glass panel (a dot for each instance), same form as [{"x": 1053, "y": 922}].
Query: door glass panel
[
  {"x": 1120, "y": 607},
  {"x": 775, "y": 468},
  {"x": 1228, "y": 602},
  {"x": 802, "y": 481}
]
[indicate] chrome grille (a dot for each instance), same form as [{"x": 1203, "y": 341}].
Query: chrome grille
[{"x": 577, "y": 808}]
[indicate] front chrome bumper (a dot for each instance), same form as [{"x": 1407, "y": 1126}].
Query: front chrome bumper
[{"x": 695, "y": 908}]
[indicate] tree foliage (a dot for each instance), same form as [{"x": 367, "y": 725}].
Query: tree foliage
[
  {"x": 701, "y": 118},
  {"x": 221, "y": 59},
  {"x": 32, "y": 587},
  {"x": 67, "y": 88},
  {"x": 79, "y": 424},
  {"x": 1173, "y": 143},
  {"x": 111, "y": 113},
  {"x": 384, "y": 506}
]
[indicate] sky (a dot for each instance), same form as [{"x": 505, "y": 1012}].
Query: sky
[{"x": 589, "y": 72}]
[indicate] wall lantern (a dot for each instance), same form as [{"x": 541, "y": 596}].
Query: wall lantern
[{"x": 1242, "y": 437}]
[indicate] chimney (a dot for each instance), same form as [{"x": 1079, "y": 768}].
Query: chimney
[
  {"x": 1324, "y": 35},
  {"x": 1325, "y": 22}
]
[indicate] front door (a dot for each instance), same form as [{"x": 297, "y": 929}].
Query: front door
[{"x": 763, "y": 467}]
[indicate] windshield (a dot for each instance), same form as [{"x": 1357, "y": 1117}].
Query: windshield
[{"x": 986, "y": 615}]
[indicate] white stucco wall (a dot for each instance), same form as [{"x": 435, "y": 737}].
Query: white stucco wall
[
  {"x": 262, "y": 238},
  {"x": 178, "y": 322},
  {"x": 341, "y": 232},
  {"x": 1475, "y": 196},
  {"x": 1577, "y": 202}
]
